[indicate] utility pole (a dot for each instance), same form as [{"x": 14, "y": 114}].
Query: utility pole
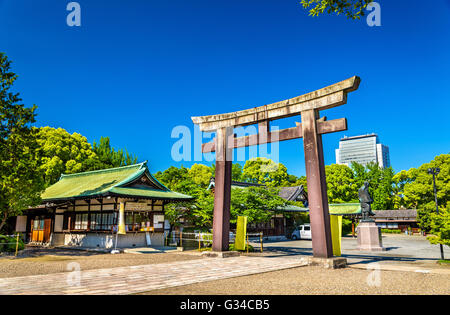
[{"x": 434, "y": 171}]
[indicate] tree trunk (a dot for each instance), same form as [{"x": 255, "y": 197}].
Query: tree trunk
[{"x": 3, "y": 222}]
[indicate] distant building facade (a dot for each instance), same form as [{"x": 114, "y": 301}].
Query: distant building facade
[{"x": 363, "y": 150}]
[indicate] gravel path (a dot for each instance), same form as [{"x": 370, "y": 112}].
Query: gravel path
[
  {"x": 317, "y": 280},
  {"x": 45, "y": 261}
]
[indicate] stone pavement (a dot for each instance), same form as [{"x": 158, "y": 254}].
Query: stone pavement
[{"x": 135, "y": 279}]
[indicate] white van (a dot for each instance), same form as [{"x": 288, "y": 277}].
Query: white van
[{"x": 302, "y": 232}]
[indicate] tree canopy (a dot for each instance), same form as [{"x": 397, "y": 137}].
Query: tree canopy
[
  {"x": 63, "y": 153},
  {"x": 109, "y": 157},
  {"x": 264, "y": 171},
  {"x": 415, "y": 189},
  {"x": 353, "y": 9},
  {"x": 20, "y": 176}
]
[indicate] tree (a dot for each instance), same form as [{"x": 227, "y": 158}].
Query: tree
[
  {"x": 110, "y": 157},
  {"x": 236, "y": 171},
  {"x": 20, "y": 177},
  {"x": 381, "y": 183},
  {"x": 418, "y": 191},
  {"x": 340, "y": 184},
  {"x": 353, "y": 9},
  {"x": 63, "y": 153},
  {"x": 200, "y": 174},
  {"x": 256, "y": 203},
  {"x": 264, "y": 171},
  {"x": 440, "y": 227}
]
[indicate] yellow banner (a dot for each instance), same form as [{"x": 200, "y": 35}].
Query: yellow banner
[
  {"x": 121, "y": 229},
  {"x": 336, "y": 232},
  {"x": 241, "y": 233}
]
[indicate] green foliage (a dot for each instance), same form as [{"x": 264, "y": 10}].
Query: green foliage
[
  {"x": 389, "y": 231},
  {"x": 8, "y": 244},
  {"x": 236, "y": 172},
  {"x": 353, "y": 9},
  {"x": 63, "y": 153},
  {"x": 417, "y": 184},
  {"x": 341, "y": 185},
  {"x": 264, "y": 171},
  {"x": 440, "y": 227},
  {"x": 346, "y": 226},
  {"x": 20, "y": 177},
  {"x": 381, "y": 183},
  {"x": 193, "y": 182},
  {"x": 200, "y": 174},
  {"x": 255, "y": 203},
  {"x": 414, "y": 190},
  {"x": 109, "y": 157},
  {"x": 250, "y": 248}
]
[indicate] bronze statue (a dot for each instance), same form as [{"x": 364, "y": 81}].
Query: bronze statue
[{"x": 365, "y": 199}]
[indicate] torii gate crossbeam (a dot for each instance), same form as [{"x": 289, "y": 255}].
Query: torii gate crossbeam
[{"x": 310, "y": 129}]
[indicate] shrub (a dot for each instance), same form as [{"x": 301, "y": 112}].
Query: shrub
[
  {"x": 388, "y": 231},
  {"x": 250, "y": 248},
  {"x": 346, "y": 226},
  {"x": 8, "y": 244}
]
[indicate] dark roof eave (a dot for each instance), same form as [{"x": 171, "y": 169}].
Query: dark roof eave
[
  {"x": 181, "y": 199},
  {"x": 110, "y": 194}
]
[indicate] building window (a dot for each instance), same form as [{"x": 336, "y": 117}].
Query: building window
[
  {"x": 135, "y": 221},
  {"x": 107, "y": 221},
  {"x": 81, "y": 221}
]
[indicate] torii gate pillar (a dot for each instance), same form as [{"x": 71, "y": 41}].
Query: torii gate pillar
[
  {"x": 222, "y": 192},
  {"x": 317, "y": 186}
]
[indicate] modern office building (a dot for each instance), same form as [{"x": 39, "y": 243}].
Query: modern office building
[{"x": 362, "y": 149}]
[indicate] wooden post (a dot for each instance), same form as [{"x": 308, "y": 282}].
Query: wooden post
[
  {"x": 222, "y": 192},
  {"x": 17, "y": 245},
  {"x": 317, "y": 186},
  {"x": 247, "y": 243},
  {"x": 261, "y": 240},
  {"x": 181, "y": 238}
]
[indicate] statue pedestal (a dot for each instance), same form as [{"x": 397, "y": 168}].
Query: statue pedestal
[{"x": 369, "y": 237}]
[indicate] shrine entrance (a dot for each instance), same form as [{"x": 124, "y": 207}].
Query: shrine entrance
[{"x": 311, "y": 128}]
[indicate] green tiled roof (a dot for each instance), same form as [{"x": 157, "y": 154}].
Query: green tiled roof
[
  {"x": 111, "y": 181},
  {"x": 151, "y": 193},
  {"x": 292, "y": 208},
  {"x": 334, "y": 209},
  {"x": 345, "y": 208}
]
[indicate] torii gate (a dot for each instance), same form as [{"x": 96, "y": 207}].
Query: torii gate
[{"x": 310, "y": 129}]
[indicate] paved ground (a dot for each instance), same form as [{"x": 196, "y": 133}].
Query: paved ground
[
  {"x": 134, "y": 279},
  {"x": 413, "y": 251},
  {"x": 407, "y": 267},
  {"x": 317, "y": 280},
  {"x": 45, "y": 261}
]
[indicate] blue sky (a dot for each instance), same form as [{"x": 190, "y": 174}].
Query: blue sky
[{"x": 136, "y": 69}]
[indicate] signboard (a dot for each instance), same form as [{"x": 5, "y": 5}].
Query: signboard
[
  {"x": 121, "y": 219},
  {"x": 336, "y": 232},
  {"x": 137, "y": 206},
  {"x": 241, "y": 231},
  {"x": 158, "y": 218}
]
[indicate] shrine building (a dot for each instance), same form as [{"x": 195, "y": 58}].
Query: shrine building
[{"x": 83, "y": 209}]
